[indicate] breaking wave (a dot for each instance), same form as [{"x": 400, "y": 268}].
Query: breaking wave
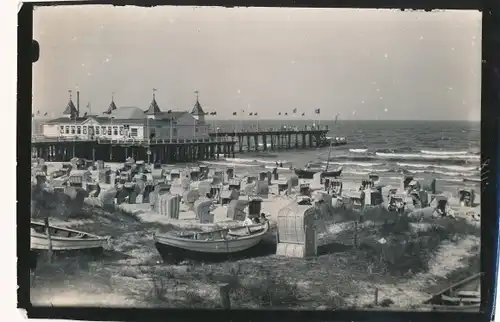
[
  {"x": 414, "y": 156},
  {"x": 449, "y": 167},
  {"x": 444, "y": 152},
  {"x": 358, "y": 150}
]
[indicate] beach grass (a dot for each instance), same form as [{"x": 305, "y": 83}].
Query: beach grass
[{"x": 335, "y": 279}]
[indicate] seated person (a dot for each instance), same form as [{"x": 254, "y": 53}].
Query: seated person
[{"x": 248, "y": 221}]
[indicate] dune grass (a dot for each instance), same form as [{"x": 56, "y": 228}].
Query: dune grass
[{"x": 133, "y": 267}]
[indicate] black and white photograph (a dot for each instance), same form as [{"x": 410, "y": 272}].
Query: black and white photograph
[{"x": 256, "y": 158}]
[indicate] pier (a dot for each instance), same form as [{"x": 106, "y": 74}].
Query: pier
[
  {"x": 278, "y": 139},
  {"x": 162, "y": 151},
  {"x": 221, "y": 144}
]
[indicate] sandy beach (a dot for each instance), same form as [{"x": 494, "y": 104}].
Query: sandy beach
[{"x": 131, "y": 272}]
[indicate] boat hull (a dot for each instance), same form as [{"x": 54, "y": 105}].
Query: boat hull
[
  {"x": 170, "y": 254},
  {"x": 42, "y": 243},
  {"x": 63, "y": 239},
  {"x": 174, "y": 249},
  {"x": 306, "y": 174}
]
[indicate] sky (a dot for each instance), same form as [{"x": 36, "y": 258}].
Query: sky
[{"x": 362, "y": 64}]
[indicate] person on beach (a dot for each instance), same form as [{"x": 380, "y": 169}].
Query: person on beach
[
  {"x": 281, "y": 164},
  {"x": 248, "y": 221}
]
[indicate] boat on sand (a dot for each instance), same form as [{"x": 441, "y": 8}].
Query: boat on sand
[
  {"x": 63, "y": 239},
  {"x": 309, "y": 173},
  {"x": 211, "y": 245}
]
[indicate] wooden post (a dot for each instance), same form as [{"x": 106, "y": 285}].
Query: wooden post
[
  {"x": 356, "y": 234},
  {"x": 224, "y": 296},
  {"x": 376, "y": 296},
  {"x": 49, "y": 238}
]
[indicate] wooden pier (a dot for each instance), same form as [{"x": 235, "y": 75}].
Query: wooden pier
[
  {"x": 277, "y": 139},
  {"x": 165, "y": 151},
  {"x": 154, "y": 151}
]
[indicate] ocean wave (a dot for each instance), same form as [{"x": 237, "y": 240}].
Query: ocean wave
[
  {"x": 243, "y": 160},
  {"x": 427, "y": 165},
  {"x": 358, "y": 150},
  {"x": 352, "y": 163},
  {"x": 228, "y": 164},
  {"x": 403, "y": 156},
  {"x": 445, "y": 173},
  {"x": 444, "y": 152}
]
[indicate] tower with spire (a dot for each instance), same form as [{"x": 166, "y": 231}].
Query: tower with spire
[
  {"x": 70, "y": 111},
  {"x": 112, "y": 105},
  {"x": 153, "y": 109},
  {"x": 197, "y": 112}
]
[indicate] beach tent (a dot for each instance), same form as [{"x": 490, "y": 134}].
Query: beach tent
[
  {"x": 174, "y": 174},
  {"x": 228, "y": 195},
  {"x": 218, "y": 177},
  {"x": 234, "y": 184},
  {"x": 372, "y": 197},
  {"x": 107, "y": 197},
  {"x": 162, "y": 188},
  {"x": 202, "y": 211},
  {"x": 294, "y": 181},
  {"x": 169, "y": 205},
  {"x": 283, "y": 186},
  {"x": 249, "y": 188},
  {"x": 254, "y": 206},
  {"x": 190, "y": 197},
  {"x": 440, "y": 204},
  {"x": 204, "y": 187},
  {"x": 195, "y": 175},
  {"x": 236, "y": 209},
  {"x": 305, "y": 189},
  {"x": 251, "y": 179},
  {"x": 146, "y": 192},
  {"x": 297, "y": 235},
  {"x": 230, "y": 173},
  {"x": 262, "y": 189},
  {"x": 93, "y": 189}
]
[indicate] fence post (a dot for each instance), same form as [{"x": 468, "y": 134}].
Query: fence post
[
  {"x": 376, "y": 296},
  {"x": 356, "y": 234},
  {"x": 224, "y": 296}
]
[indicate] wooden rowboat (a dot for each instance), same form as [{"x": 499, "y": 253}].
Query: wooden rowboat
[
  {"x": 210, "y": 244},
  {"x": 309, "y": 173},
  {"x": 64, "y": 238}
]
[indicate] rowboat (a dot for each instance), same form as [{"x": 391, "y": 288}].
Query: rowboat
[
  {"x": 210, "y": 245},
  {"x": 64, "y": 238},
  {"x": 309, "y": 174}
]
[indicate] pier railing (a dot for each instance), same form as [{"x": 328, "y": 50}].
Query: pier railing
[
  {"x": 271, "y": 131},
  {"x": 132, "y": 141}
]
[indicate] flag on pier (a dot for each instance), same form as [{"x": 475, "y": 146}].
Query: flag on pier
[
  {"x": 336, "y": 118},
  {"x": 213, "y": 113},
  {"x": 303, "y": 114},
  {"x": 255, "y": 114},
  {"x": 250, "y": 113},
  {"x": 286, "y": 113},
  {"x": 294, "y": 110},
  {"x": 234, "y": 113},
  {"x": 37, "y": 112},
  {"x": 317, "y": 111},
  {"x": 279, "y": 113},
  {"x": 46, "y": 113}
]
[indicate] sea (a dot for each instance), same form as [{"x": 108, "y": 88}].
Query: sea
[{"x": 446, "y": 150}]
